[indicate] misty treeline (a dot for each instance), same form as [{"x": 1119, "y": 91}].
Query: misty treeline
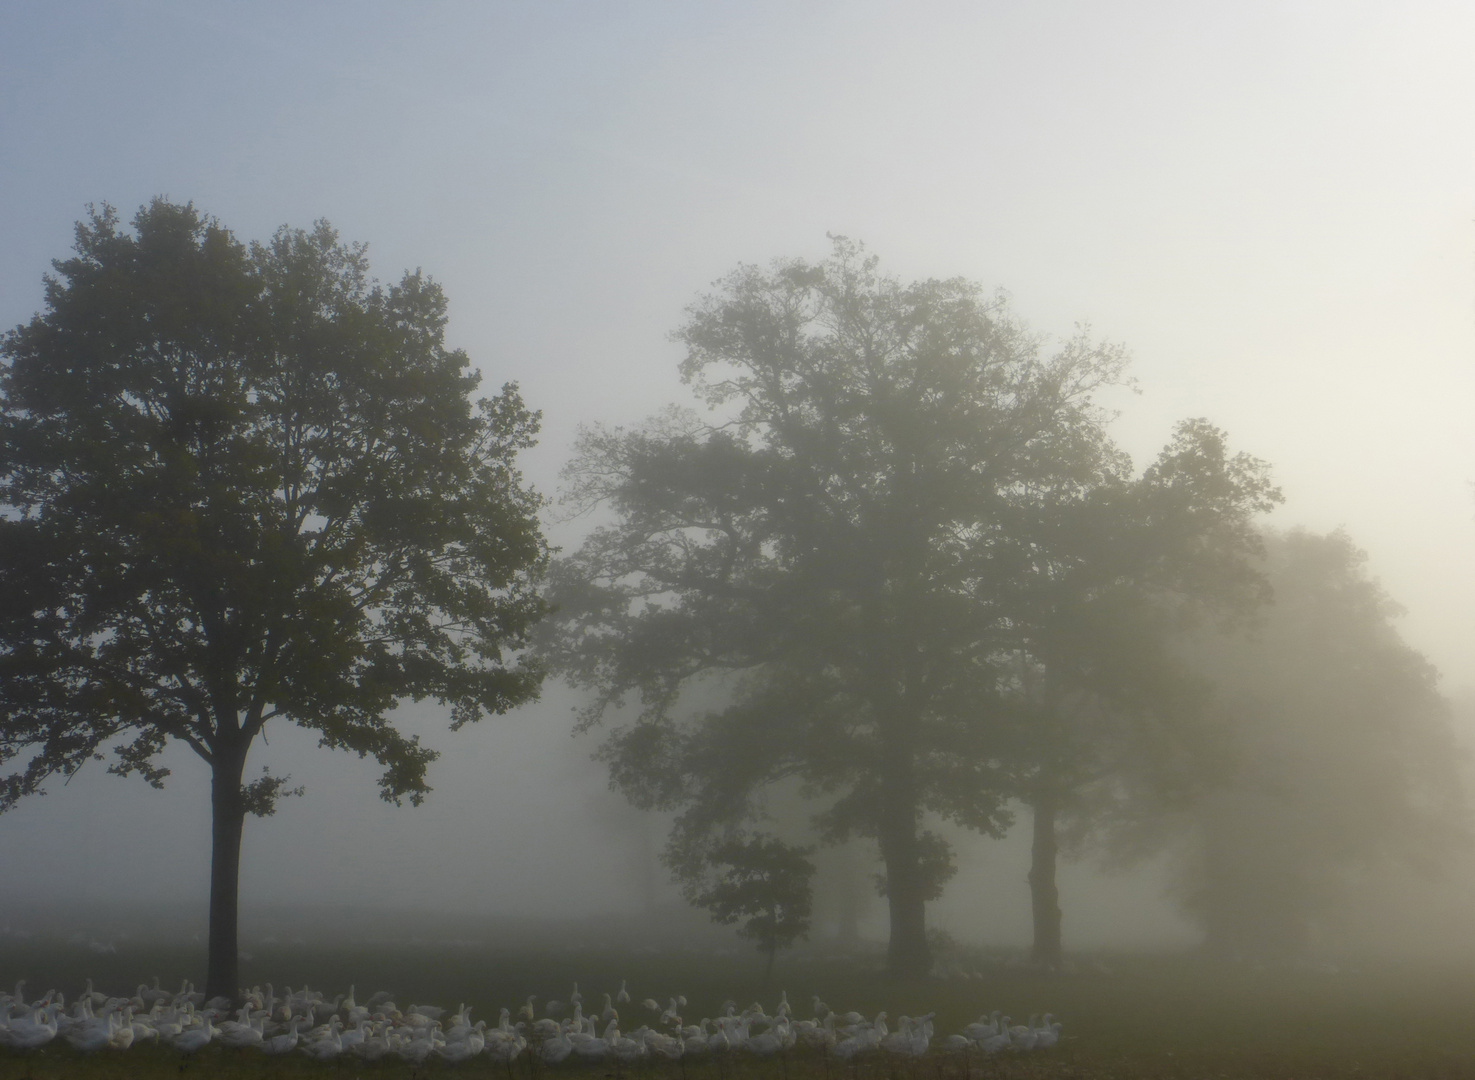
[
  {"x": 900, "y": 571},
  {"x": 897, "y": 574}
]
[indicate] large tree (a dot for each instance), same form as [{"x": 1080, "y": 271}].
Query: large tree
[
  {"x": 1118, "y": 574},
  {"x": 246, "y": 483},
  {"x": 1344, "y": 763},
  {"x": 837, "y": 550}
]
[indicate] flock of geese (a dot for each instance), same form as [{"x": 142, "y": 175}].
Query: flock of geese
[{"x": 304, "y": 1021}]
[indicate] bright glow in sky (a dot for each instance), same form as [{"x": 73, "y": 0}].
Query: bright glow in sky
[{"x": 1271, "y": 204}]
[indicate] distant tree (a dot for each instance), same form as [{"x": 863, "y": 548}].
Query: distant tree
[
  {"x": 1119, "y": 573},
  {"x": 832, "y": 560},
  {"x": 1344, "y": 759},
  {"x": 759, "y": 880},
  {"x": 244, "y": 484}
]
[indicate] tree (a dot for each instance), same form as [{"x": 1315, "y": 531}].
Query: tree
[
  {"x": 1344, "y": 760},
  {"x": 243, "y": 484},
  {"x": 1119, "y": 572},
  {"x": 829, "y": 561},
  {"x": 760, "y": 880}
]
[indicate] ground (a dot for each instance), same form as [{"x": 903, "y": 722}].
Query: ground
[{"x": 1123, "y": 1016}]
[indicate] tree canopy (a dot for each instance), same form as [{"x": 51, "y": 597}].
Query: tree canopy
[
  {"x": 1342, "y": 758},
  {"x": 761, "y": 882},
  {"x": 840, "y": 549},
  {"x": 1120, "y": 572},
  {"x": 245, "y": 483}
]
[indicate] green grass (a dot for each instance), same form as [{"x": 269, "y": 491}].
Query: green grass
[{"x": 1145, "y": 1017}]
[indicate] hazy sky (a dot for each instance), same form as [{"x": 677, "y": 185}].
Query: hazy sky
[{"x": 1271, "y": 204}]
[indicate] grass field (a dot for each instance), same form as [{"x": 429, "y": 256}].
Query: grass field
[{"x": 1123, "y": 1017}]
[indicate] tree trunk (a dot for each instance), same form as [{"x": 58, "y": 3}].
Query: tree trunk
[
  {"x": 1044, "y": 896},
  {"x": 227, "y": 816},
  {"x": 907, "y": 955}
]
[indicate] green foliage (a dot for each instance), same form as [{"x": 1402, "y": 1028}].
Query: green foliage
[
  {"x": 760, "y": 881},
  {"x": 1343, "y": 760},
  {"x": 837, "y": 562},
  {"x": 1121, "y": 571},
  {"x": 260, "y": 796},
  {"x": 245, "y": 483}
]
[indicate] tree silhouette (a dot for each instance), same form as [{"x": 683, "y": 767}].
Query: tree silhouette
[
  {"x": 242, "y": 484},
  {"x": 839, "y": 550}
]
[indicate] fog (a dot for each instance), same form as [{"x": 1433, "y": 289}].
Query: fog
[{"x": 1269, "y": 204}]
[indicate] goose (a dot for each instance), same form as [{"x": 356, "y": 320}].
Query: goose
[
  {"x": 169, "y": 1027},
  {"x": 353, "y": 1038},
  {"x": 152, "y": 994},
  {"x": 417, "y": 1049},
  {"x": 121, "y": 1036},
  {"x": 504, "y": 1046},
  {"x": 814, "y": 1033},
  {"x": 29, "y": 1034},
  {"x": 461, "y": 1026},
  {"x": 457, "y": 1052},
  {"x": 588, "y": 1046},
  {"x": 695, "y": 1044},
  {"x": 283, "y": 1044},
  {"x": 195, "y": 1038},
  {"x": 766, "y": 1044},
  {"x": 623, "y": 996},
  {"x": 147, "y": 1026},
  {"x": 240, "y": 1032},
  {"x": 719, "y": 1042},
  {"x": 992, "y": 1044},
  {"x": 1023, "y": 1036},
  {"x": 865, "y": 1039},
  {"x": 1048, "y": 1033},
  {"x": 329, "y": 1046},
  {"x": 608, "y": 1012},
  {"x": 821, "y": 1010},
  {"x": 921, "y": 1036},
  {"x": 556, "y": 1049},
  {"x": 621, "y": 1048},
  {"x": 97, "y": 1000},
  {"x": 984, "y": 1027},
  {"x": 737, "y": 1031},
  {"x": 95, "y": 1035},
  {"x": 374, "y": 1046},
  {"x": 898, "y": 1041},
  {"x": 846, "y": 1049}
]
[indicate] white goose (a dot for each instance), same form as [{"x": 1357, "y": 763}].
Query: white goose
[
  {"x": 556, "y": 1049},
  {"x": 283, "y": 1044},
  {"x": 196, "y": 1038}
]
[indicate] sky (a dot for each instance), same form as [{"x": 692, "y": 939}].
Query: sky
[{"x": 1271, "y": 205}]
